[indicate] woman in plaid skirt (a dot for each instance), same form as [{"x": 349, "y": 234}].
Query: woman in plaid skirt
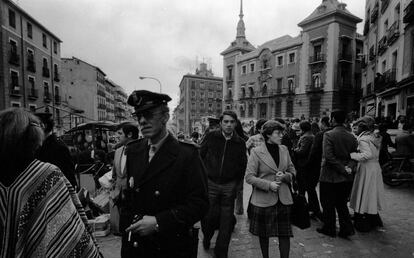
[{"x": 270, "y": 171}]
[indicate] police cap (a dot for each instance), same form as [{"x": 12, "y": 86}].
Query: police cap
[{"x": 143, "y": 100}]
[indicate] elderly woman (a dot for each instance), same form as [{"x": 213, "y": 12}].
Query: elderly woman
[
  {"x": 367, "y": 196},
  {"x": 40, "y": 214},
  {"x": 270, "y": 171}
]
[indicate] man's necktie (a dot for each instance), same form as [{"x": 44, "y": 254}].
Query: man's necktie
[{"x": 151, "y": 152}]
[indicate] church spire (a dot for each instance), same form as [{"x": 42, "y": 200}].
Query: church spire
[{"x": 240, "y": 24}]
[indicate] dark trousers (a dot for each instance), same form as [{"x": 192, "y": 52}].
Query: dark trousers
[
  {"x": 334, "y": 196},
  {"x": 221, "y": 197}
]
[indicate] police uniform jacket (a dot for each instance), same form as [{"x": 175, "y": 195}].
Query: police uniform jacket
[{"x": 172, "y": 187}]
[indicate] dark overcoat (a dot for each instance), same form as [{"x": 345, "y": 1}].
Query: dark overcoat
[
  {"x": 173, "y": 188},
  {"x": 55, "y": 151}
]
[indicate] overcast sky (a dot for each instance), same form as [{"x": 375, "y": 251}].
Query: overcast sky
[{"x": 165, "y": 38}]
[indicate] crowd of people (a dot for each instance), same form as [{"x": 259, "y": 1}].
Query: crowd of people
[{"x": 164, "y": 183}]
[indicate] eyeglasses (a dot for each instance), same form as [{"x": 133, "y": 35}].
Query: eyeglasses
[{"x": 147, "y": 115}]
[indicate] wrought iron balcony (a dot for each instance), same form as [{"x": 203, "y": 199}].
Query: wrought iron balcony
[
  {"x": 317, "y": 58},
  {"x": 15, "y": 90},
  {"x": 343, "y": 57},
  {"x": 393, "y": 32},
  {"x": 33, "y": 93},
  {"x": 14, "y": 58},
  {"x": 313, "y": 88},
  {"x": 230, "y": 78},
  {"x": 386, "y": 80},
  {"x": 101, "y": 106},
  {"x": 45, "y": 72},
  {"x": 409, "y": 13},
  {"x": 101, "y": 93},
  {"x": 382, "y": 45}
]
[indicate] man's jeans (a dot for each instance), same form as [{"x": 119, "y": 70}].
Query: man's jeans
[{"x": 220, "y": 215}]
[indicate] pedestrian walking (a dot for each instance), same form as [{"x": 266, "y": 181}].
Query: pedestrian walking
[
  {"x": 314, "y": 168},
  {"x": 40, "y": 213},
  {"x": 224, "y": 156},
  {"x": 167, "y": 189},
  {"x": 335, "y": 181},
  {"x": 54, "y": 150},
  {"x": 367, "y": 197},
  {"x": 127, "y": 132},
  {"x": 270, "y": 171}
]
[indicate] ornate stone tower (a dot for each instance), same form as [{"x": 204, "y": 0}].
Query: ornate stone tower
[{"x": 238, "y": 47}]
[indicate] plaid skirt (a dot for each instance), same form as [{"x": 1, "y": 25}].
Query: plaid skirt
[{"x": 273, "y": 221}]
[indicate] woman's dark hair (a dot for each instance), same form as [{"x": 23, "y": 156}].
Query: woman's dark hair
[
  {"x": 269, "y": 127},
  {"x": 228, "y": 113},
  {"x": 305, "y": 126},
  {"x": 260, "y": 123},
  {"x": 21, "y": 136}
]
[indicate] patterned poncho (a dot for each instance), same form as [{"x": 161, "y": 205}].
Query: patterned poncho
[{"x": 41, "y": 216}]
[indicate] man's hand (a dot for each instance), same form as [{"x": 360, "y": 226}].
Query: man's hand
[{"x": 144, "y": 227}]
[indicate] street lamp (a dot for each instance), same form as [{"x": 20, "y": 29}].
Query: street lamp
[{"x": 153, "y": 78}]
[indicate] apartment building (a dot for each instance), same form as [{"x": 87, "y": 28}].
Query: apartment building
[
  {"x": 387, "y": 81},
  {"x": 308, "y": 75},
  {"x": 200, "y": 97},
  {"x": 121, "y": 111},
  {"x": 31, "y": 64}
]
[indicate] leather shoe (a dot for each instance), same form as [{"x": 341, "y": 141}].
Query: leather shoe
[
  {"x": 326, "y": 232},
  {"x": 206, "y": 244}
]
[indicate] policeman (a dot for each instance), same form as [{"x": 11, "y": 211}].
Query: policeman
[{"x": 166, "y": 191}]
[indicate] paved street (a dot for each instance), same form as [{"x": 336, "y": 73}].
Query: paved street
[{"x": 396, "y": 239}]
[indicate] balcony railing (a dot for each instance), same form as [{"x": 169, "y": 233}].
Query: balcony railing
[
  {"x": 393, "y": 32},
  {"x": 58, "y": 99},
  {"x": 47, "y": 97},
  {"x": 382, "y": 45},
  {"x": 101, "y": 106},
  {"x": 409, "y": 13},
  {"x": 312, "y": 88},
  {"x": 230, "y": 78},
  {"x": 343, "y": 57},
  {"x": 386, "y": 80},
  {"x": 15, "y": 90},
  {"x": 33, "y": 94},
  {"x": 384, "y": 5},
  {"x": 31, "y": 67},
  {"x": 45, "y": 72},
  {"x": 101, "y": 93},
  {"x": 14, "y": 58},
  {"x": 317, "y": 58}
]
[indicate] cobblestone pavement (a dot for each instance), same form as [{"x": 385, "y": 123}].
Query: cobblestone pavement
[{"x": 396, "y": 239}]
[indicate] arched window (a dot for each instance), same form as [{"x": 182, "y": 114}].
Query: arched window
[
  {"x": 243, "y": 92},
  {"x": 316, "y": 80}
]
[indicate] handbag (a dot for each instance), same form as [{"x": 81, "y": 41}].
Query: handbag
[{"x": 300, "y": 211}]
